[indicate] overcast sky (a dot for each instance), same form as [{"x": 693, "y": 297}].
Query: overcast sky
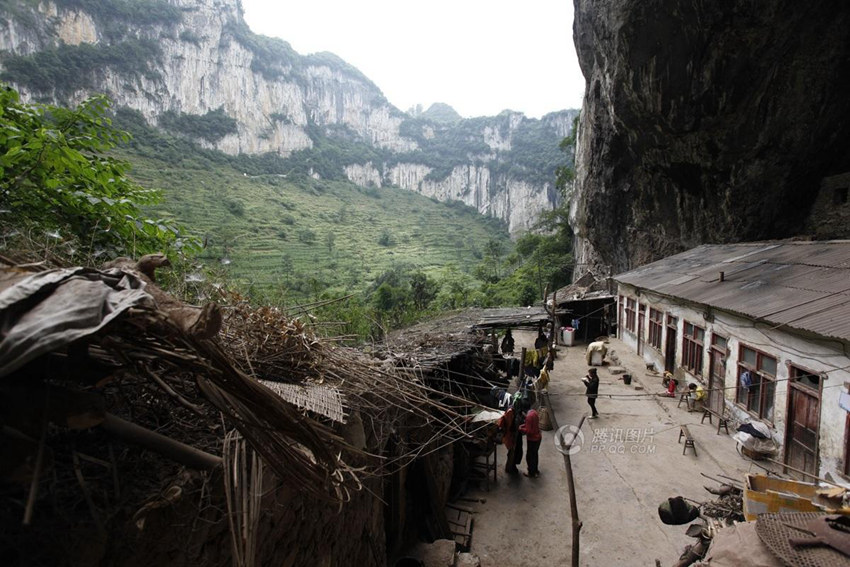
[{"x": 479, "y": 56}]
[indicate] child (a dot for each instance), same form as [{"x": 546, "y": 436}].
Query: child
[{"x": 591, "y": 383}]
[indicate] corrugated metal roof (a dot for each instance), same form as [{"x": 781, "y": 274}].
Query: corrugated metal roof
[{"x": 802, "y": 285}]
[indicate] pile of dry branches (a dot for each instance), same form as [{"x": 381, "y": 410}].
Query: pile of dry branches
[{"x": 388, "y": 397}]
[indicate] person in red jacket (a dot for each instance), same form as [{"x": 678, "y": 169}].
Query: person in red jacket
[
  {"x": 531, "y": 429},
  {"x": 507, "y": 425}
]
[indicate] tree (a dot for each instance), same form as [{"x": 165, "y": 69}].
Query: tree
[
  {"x": 424, "y": 290},
  {"x": 493, "y": 255},
  {"x": 565, "y": 174},
  {"x": 54, "y": 174}
]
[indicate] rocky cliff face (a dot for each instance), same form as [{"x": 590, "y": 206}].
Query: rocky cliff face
[
  {"x": 192, "y": 57},
  {"x": 705, "y": 123}
]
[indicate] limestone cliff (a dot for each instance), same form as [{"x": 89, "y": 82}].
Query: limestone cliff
[
  {"x": 706, "y": 122},
  {"x": 194, "y": 68}
]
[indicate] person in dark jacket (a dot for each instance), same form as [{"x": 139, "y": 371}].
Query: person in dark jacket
[
  {"x": 591, "y": 383},
  {"x": 508, "y": 343},
  {"x": 541, "y": 341}
]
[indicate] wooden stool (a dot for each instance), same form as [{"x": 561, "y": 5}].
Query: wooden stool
[
  {"x": 685, "y": 397},
  {"x": 722, "y": 421},
  {"x": 481, "y": 470},
  {"x": 689, "y": 441}
]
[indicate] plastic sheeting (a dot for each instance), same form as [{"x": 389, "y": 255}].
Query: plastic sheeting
[{"x": 49, "y": 310}]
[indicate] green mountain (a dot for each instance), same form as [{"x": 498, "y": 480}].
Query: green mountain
[
  {"x": 288, "y": 236},
  {"x": 295, "y": 170}
]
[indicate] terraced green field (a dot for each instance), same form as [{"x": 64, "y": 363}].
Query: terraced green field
[{"x": 291, "y": 239}]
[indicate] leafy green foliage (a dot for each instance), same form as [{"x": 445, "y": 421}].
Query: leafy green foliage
[
  {"x": 24, "y": 13},
  {"x": 386, "y": 238},
  {"x": 441, "y": 112},
  {"x": 139, "y": 13},
  {"x": 70, "y": 68},
  {"x": 212, "y": 126},
  {"x": 266, "y": 249},
  {"x": 443, "y": 147},
  {"x": 189, "y": 36},
  {"x": 565, "y": 174},
  {"x": 273, "y": 58},
  {"x": 400, "y": 297},
  {"x": 541, "y": 259},
  {"x": 328, "y": 156},
  {"x": 54, "y": 173}
]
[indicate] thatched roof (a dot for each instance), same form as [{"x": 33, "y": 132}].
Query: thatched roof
[{"x": 145, "y": 359}]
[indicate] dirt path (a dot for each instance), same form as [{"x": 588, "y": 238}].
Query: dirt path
[{"x": 629, "y": 462}]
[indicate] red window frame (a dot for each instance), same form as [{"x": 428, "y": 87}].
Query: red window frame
[
  {"x": 656, "y": 325},
  {"x": 759, "y": 399},
  {"x": 693, "y": 347}
]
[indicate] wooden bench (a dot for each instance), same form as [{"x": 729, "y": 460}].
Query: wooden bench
[
  {"x": 685, "y": 397},
  {"x": 722, "y": 420},
  {"x": 689, "y": 441}
]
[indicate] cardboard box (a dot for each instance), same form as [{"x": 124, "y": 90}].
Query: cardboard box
[{"x": 764, "y": 495}]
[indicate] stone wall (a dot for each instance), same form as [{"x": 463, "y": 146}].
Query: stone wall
[
  {"x": 831, "y": 212},
  {"x": 705, "y": 123}
]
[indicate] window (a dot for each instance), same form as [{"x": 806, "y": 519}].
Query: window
[
  {"x": 656, "y": 321},
  {"x": 692, "y": 348},
  {"x": 807, "y": 380},
  {"x": 630, "y": 314},
  {"x": 756, "y": 382}
]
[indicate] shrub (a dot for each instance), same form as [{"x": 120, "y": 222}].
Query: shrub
[
  {"x": 71, "y": 68},
  {"x": 212, "y": 126},
  {"x": 56, "y": 174},
  {"x": 386, "y": 238},
  {"x": 236, "y": 208},
  {"x": 306, "y": 236}
]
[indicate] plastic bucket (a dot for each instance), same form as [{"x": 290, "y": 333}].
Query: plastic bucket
[{"x": 627, "y": 379}]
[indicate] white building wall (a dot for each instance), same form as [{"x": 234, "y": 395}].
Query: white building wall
[{"x": 818, "y": 355}]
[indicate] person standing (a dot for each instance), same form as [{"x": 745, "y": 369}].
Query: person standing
[
  {"x": 508, "y": 343},
  {"x": 531, "y": 428},
  {"x": 508, "y": 427},
  {"x": 541, "y": 341},
  {"x": 591, "y": 383}
]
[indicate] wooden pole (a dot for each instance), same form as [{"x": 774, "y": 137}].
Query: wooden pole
[
  {"x": 521, "y": 375},
  {"x": 174, "y": 450},
  {"x": 553, "y": 338},
  {"x": 571, "y": 487}
]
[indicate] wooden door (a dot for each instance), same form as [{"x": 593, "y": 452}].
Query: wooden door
[
  {"x": 716, "y": 380},
  {"x": 670, "y": 344},
  {"x": 717, "y": 372},
  {"x": 801, "y": 436},
  {"x": 640, "y": 322}
]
